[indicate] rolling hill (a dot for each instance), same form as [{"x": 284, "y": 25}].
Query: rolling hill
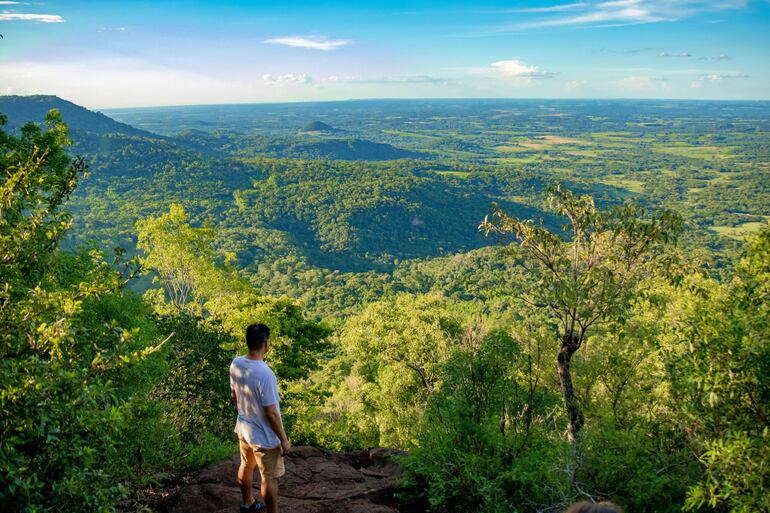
[{"x": 21, "y": 109}]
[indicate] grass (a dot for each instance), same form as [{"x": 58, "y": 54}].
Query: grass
[
  {"x": 457, "y": 174},
  {"x": 526, "y": 159},
  {"x": 697, "y": 152},
  {"x": 410, "y": 134},
  {"x": 510, "y": 149},
  {"x": 584, "y": 153},
  {"x": 631, "y": 185},
  {"x": 518, "y": 199},
  {"x": 614, "y": 135},
  {"x": 739, "y": 232},
  {"x": 557, "y": 139},
  {"x": 545, "y": 142}
]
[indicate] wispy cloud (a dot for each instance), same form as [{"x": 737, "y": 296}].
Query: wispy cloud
[
  {"x": 617, "y": 13},
  {"x": 403, "y": 79},
  {"x": 289, "y": 78},
  {"x": 112, "y": 29},
  {"x": 556, "y": 8},
  {"x": 675, "y": 54},
  {"x": 312, "y": 42},
  {"x": 716, "y": 77},
  {"x": 552, "y": 8},
  {"x": 40, "y": 18}
]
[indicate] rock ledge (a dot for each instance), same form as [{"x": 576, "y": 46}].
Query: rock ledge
[{"x": 316, "y": 481}]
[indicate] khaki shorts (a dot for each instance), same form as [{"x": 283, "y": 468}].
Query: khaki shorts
[{"x": 268, "y": 461}]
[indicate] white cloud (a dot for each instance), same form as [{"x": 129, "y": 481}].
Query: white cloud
[
  {"x": 40, "y": 18},
  {"x": 515, "y": 68},
  {"x": 312, "y": 42},
  {"x": 20, "y": 91},
  {"x": 289, "y": 78},
  {"x": 618, "y": 12},
  {"x": 643, "y": 84},
  {"x": 520, "y": 72}
]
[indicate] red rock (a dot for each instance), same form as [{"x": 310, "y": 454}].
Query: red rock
[{"x": 316, "y": 481}]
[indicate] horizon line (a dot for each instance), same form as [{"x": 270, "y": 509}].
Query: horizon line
[
  {"x": 396, "y": 99},
  {"x": 441, "y": 98}
]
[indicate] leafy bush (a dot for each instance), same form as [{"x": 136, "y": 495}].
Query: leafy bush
[
  {"x": 484, "y": 447},
  {"x": 61, "y": 346}
]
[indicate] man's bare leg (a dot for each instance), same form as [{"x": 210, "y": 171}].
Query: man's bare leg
[
  {"x": 245, "y": 480},
  {"x": 269, "y": 491}
]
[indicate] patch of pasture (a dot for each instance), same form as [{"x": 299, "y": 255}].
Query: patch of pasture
[
  {"x": 697, "y": 152},
  {"x": 740, "y": 231}
]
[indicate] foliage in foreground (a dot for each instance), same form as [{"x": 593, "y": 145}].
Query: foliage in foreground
[
  {"x": 99, "y": 392},
  {"x": 76, "y": 349}
]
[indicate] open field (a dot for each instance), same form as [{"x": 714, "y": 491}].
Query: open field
[
  {"x": 740, "y": 231},
  {"x": 697, "y": 152},
  {"x": 635, "y": 186}
]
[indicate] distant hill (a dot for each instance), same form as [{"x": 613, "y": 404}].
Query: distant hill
[
  {"x": 319, "y": 127},
  {"x": 326, "y": 148},
  {"x": 344, "y": 149},
  {"x": 21, "y": 109}
]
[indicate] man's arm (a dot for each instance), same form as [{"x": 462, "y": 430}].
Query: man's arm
[
  {"x": 233, "y": 397},
  {"x": 274, "y": 419}
]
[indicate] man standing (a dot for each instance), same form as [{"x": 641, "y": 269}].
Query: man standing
[{"x": 259, "y": 427}]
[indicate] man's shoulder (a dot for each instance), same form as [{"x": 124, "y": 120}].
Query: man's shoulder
[
  {"x": 265, "y": 368},
  {"x": 238, "y": 361}
]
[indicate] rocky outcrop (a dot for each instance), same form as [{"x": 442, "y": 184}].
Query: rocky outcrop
[{"x": 316, "y": 481}]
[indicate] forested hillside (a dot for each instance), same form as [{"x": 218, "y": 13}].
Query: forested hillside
[
  {"x": 539, "y": 301},
  {"x": 314, "y": 223}
]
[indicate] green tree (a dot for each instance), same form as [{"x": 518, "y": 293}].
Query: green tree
[
  {"x": 74, "y": 347},
  {"x": 186, "y": 265},
  {"x": 721, "y": 378},
  {"x": 395, "y": 351},
  {"x": 483, "y": 446},
  {"x": 180, "y": 255},
  {"x": 588, "y": 277},
  {"x": 37, "y": 176}
]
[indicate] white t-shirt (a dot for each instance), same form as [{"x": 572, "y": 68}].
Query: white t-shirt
[{"x": 255, "y": 387}]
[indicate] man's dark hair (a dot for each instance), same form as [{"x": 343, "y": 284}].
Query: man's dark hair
[{"x": 256, "y": 336}]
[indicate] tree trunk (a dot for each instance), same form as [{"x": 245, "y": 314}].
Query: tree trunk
[{"x": 575, "y": 417}]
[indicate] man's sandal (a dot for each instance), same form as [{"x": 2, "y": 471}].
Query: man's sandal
[{"x": 255, "y": 506}]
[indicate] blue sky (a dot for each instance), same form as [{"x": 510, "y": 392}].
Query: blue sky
[{"x": 118, "y": 54}]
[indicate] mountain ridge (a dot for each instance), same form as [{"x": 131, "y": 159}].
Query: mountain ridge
[{"x": 22, "y": 109}]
